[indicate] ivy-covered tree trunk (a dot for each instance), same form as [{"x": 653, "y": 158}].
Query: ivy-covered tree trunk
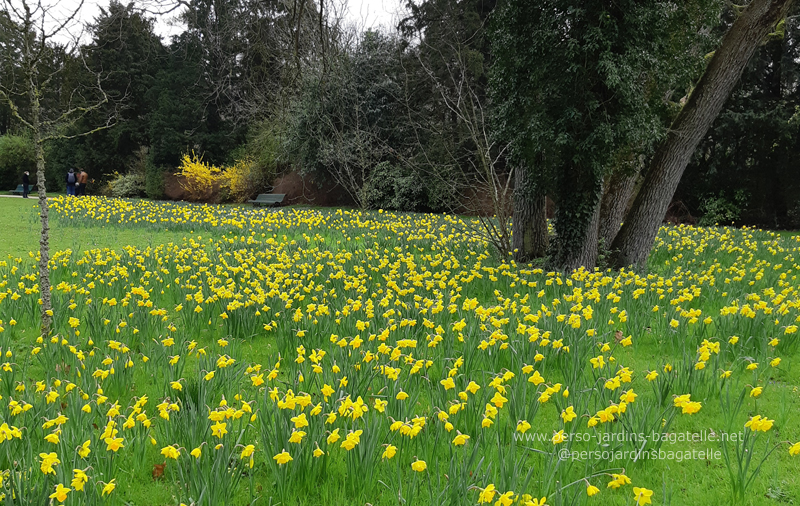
[
  {"x": 634, "y": 241},
  {"x": 577, "y": 217},
  {"x": 616, "y": 194},
  {"x": 529, "y": 229}
]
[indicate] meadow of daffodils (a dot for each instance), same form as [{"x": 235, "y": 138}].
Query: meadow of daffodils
[{"x": 306, "y": 356}]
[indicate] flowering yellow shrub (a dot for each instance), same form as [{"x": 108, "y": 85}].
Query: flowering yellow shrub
[
  {"x": 241, "y": 179},
  {"x": 199, "y": 177}
]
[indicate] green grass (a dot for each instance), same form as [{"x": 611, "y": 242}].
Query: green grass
[{"x": 21, "y": 228}]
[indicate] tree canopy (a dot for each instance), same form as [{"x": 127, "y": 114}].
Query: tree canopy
[{"x": 586, "y": 89}]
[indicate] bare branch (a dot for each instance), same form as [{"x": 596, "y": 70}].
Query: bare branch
[
  {"x": 112, "y": 122},
  {"x": 15, "y": 110},
  {"x": 45, "y": 36}
]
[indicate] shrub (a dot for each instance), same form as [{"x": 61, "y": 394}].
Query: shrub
[
  {"x": 134, "y": 182},
  {"x": 265, "y": 149},
  {"x": 389, "y": 187},
  {"x": 242, "y": 180},
  {"x": 205, "y": 182},
  {"x": 721, "y": 210},
  {"x": 17, "y": 154},
  {"x": 793, "y": 217},
  {"x": 154, "y": 181},
  {"x": 127, "y": 185},
  {"x": 199, "y": 178}
]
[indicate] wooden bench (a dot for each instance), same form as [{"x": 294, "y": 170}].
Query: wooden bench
[
  {"x": 267, "y": 199},
  {"x": 18, "y": 191}
]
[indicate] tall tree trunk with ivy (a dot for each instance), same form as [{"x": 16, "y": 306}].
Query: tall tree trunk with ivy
[
  {"x": 580, "y": 80},
  {"x": 577, "y": 217},
  {"x": 634, "y": 241}
]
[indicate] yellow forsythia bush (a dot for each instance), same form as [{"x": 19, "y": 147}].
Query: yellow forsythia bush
[
  {"x": 242, "y": 179},
  {"x": 199, "y": 178}
]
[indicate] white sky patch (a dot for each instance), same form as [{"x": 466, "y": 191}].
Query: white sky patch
[
  {"x": 362, "y": 13},
  {"x": 375, "y": 13}
]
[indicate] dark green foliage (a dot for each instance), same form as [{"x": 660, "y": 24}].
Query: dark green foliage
[
  {"x": 346, "y": 120},
  {"x": 265, "y": 147},
  {"x": 392, "y": 100},
  {"x": 154, "y": 181},
  {"x": 390, "y": 187},
  {"x": 10, "y": 71},
  {"x": 17, "y": 155},
  {"x": 183, "y": 116},
  {"x": 125, "y": 46},
  {"x": 153, "y": 174},
  {"x": 722, "y": 209},
  {"x": 584, "y": 88},
  {"x": 59, "y": 155},
  {"x": 160, "y": 98},
  {"x": 128, "y": 53},
  {"x": 746, "y": 168},
  {"x": 254, "y": 51},
  {"x": 445, "y": 59}
]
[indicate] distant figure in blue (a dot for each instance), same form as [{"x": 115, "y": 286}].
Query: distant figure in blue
[{"x": 71, "y": 180}]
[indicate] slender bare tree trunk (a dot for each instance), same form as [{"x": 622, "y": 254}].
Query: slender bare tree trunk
[
  {"x": 44, "y": 238},
  {"x": 634, "y": 241},
  {"x": 529, "y": 229},
  {"x": 616, "y": 194},
  {"x": 30, "y": 20}
]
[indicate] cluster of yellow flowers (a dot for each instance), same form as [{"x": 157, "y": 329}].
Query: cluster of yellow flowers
[
  {"x": 200, "y": 179},
  {"x": 303, "y": 346}
]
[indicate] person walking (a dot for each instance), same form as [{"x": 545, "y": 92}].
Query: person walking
[
  {"x": 25, "y": 183},
  {"x": 80, "y": 186},
  {"x": 83, "y": 179},
  {"x": 71, "y": 180}
]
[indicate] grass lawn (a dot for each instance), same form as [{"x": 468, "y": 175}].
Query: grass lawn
[
  {"x": 225, "y": 355},
  {"x": 19, "y": 219}
]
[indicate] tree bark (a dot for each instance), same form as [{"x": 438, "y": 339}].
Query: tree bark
[
  {"x": 529, "y": 228},
  {"x": 577, "y": 218},
  {"x": 634, "y": 241},
  {"x": 586, "y": 254},
  {"x": 44, "y": 237},
  {"x": 616, "y": 195}
]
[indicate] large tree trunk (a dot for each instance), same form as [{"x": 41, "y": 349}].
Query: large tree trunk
[
  {"x": 616, "y": 194},
  {"x": 634, "y": 241},
  {"x": 586, "y": 255},
  {"x": 529, "y": 229},
  {"x": 577, "y": 217},
  {"x": 44, "y": 238}
]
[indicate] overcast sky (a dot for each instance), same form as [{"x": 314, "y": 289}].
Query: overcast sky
[{"x": 366, "y": 13}]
